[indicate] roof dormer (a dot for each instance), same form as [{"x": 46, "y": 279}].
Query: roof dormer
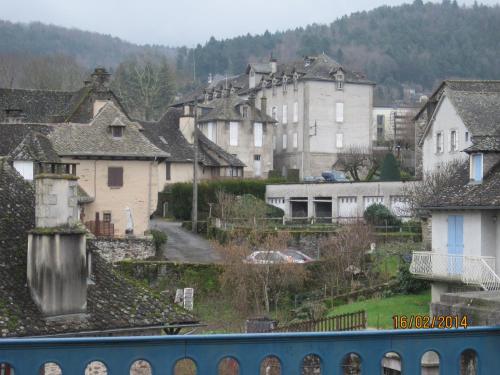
[{"x": 117, "y": 127}]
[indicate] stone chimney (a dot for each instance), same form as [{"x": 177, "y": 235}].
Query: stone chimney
[
  {"x": 263, "y": 104},
  {"x": 274, "y": 65},
  {"x": 186, "y": 123},
  {"x": 57, "y": 260},
  {"x": 14, "y": 116},
  {"x": 100, "y": 79}
]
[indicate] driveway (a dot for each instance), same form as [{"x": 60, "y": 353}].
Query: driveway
[{"x": 184, "y": 246}]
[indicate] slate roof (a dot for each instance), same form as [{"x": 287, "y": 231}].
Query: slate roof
[
  {"x": 36, "y": 147},
  {"x": 477, "y": 102},
  {"x": 459, "y": 193},
  {"x": 484, "y": 144},
  {"x": 113, "y": 302},
  {"x": 95, "y": 139},
  {"x": 165, "y": 134},
  {"x": 11, "y": 135},
  {"x": 228, "y": 109}
]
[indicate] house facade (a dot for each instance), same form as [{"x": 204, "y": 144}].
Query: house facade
[
  {"x": 241, "y": 129},
  {"x": 174, "y": 133},
  {"x": 321, "y": 108},
  {"x": 465, "y": 231},
  {"x": 117, "y": 167}
]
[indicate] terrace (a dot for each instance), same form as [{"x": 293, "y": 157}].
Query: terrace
[{"x": 293, "y": 353}]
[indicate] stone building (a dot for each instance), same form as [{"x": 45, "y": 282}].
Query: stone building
[
  {"x": 110, "y": 305},
  {"x": 117, "y": 167},
  {"x": 174, "y": 133}
]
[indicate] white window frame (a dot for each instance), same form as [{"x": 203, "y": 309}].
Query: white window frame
[
  {"x": 295, "y": 111},
  {"x": 233, "y": 133},
  {"x": 453, "y": 137},
  {"x": 284, "y": 119},
  {"x": 285, "y": 141},
  {"x": 295, "y": 140},
  {"x": 212, "y": 131},
  {"x": 257, "y": 134},
  {"x": 339, "y": 140},
  {"x": 339, "y": 112}
]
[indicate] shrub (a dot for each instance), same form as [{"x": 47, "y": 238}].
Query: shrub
[
  {"x": 159, "y": 239},
  {"x": 378, "y": 214},
  {"x": 407, "y": 283},
  {"x": 390, "y": 169}
]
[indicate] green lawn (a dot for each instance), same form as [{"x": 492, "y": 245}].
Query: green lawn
[{"x": 380, "y": 310}]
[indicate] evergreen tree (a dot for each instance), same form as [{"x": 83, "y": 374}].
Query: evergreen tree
[{"x": 390, "y": 169}]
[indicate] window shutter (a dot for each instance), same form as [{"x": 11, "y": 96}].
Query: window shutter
[
  {"x": 339, "y": 112},
  {"x": 340, "y": 140},
  {"x": 296, "y": 112},
  {"x": 233, "y": 134},
  {"x": 284, "y": 142},
  {"x": 115, "y": 176},
  {"x": 285, "y": 114},
  {"x": 295, "y": 140},
  {"x": 257, "y": 134}
]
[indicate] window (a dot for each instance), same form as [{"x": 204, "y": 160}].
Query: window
[
  {"x": 256, "y": 157},
  {"x": 285, "y": 114},
  {"x": 284, "y": 142},
  {"x": 380, "y": 120},
  {"x": 380, "y": 133},
  {"x": 257, "y": 165},
  {"x": 476, "y": 167},
  {"x": 340, "y": 140},
  {"x": 339, "y": 112},
  {"x": 285, "y": 84},
  {"x": 295, "y": 140},
  {"x": 233, "y": 134},
  {"x": 439, "y": 142},
  {"x": 211, "y": 131},
  {"x": 25, "y": 168},
  {"x": 257, "y": 134},
  {"x": 340, "y": 81},
  {"x": 466, "y": 136},
  {"x": 296, "y": 112},
  {"x": 106, "y": 216},
  {"x": 117, "y": 131},
  {"x": 244, "y": 112},
  {"x": 115, "y": 176},
  {"x": 453, "y": 141},
  {"x": 340, "y": 85},
  {"x": 168, "y": 171},
  {"x": 274, "y": 113}
]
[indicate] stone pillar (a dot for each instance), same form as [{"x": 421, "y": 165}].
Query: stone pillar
[{"x": 57, "y": 261}]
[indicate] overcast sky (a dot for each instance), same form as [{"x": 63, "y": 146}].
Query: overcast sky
[{"x": 184, "y": 22}]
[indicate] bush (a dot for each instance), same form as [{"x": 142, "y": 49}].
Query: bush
[
  {"x": 409, "y": 284},
  {"x": 159, "y": 239},
  {"x": 181, "y": 194},
  {"x": 390, "y": 169},
  {"x": 378, "y": 214}
]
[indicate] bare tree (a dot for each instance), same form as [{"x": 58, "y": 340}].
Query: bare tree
[
  {"x": 344, "y": 256},
  {"x": 418, "y": 193},
  {"x": 352, "y": 160},
  {"x": 253, "y": 287}
]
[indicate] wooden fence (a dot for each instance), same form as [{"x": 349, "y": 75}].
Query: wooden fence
[
  {"x": 101, "y": 228},
  {"x": 344, "y": 322}
]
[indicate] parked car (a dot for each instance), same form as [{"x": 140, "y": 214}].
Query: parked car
[
  {"x": 334, "y": 176},
  {"x": 274, "y": 256},
  {"x": 314, "y": 179}
]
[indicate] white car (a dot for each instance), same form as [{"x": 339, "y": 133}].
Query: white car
[{"x": 274, "y": 256}]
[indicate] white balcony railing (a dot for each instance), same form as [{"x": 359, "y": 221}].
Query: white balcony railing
[{"x": 476, "y": 270}]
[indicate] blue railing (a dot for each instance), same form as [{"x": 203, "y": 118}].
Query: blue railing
[{"x": 26, "y": 356}]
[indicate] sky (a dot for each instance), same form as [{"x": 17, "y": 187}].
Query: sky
[{"x": 177, "y": 23}]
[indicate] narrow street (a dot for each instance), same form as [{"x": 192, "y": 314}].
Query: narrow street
[{"x": 184, "y": 246}]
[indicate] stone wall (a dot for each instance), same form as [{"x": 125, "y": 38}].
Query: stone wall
[{"x": 117, "y": 249}]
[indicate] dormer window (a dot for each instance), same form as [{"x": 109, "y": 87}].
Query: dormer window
[
  {"x": 117, "y": 128},
  {"x": 339, "y": 78},
  {"x": 244, "y": 112},
  {"x": 117, "y": 131},
  {"x": 285, "y": 84},
  {"x": 476, "y": 167}
]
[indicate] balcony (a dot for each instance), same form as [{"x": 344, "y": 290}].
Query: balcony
[
  {"x": 474, "y": 270},
  {"x": 327, "y": 353}
]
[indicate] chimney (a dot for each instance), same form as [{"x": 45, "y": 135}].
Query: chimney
[
  {"x": 100, "y": 79},
  {"x": 57, "y": 259},
  {"x": 263, "y": 105},
  {"x": 186, "y": 123},
  {"x": 14, "y": 116},
  {"x": 274, "y": 65}
]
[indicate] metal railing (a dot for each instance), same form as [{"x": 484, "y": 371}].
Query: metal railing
[
  {"x": 344, "y": 322},
  {"x": 476, "y": 270},
  {"x": 249, "y": 351}
]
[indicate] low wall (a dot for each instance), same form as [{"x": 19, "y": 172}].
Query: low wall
[{"x": 118, "y": 249}]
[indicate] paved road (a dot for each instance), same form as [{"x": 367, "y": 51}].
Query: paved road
[{"x": 184, "y": 246}]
